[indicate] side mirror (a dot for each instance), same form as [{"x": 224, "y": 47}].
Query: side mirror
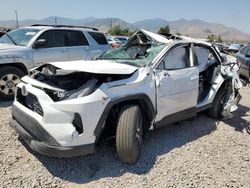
[{"x": 41, "y": 43}]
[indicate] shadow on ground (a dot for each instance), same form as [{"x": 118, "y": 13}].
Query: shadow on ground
[
  {"x": 241, "y": 119},
  {"x": 105, "y": 163}
]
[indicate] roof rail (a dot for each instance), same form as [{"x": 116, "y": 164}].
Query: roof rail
[{"x": 71, "y": 26}]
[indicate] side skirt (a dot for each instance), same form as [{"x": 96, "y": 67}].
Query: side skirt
[
  {"x": 176, "y": 117},
  {"x": 203, "y": 108}
]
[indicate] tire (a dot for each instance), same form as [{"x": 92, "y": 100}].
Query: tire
[
  {"x": 219, "y": 100},
  {"x": 9, "y": 78},
  {"x": 129, "y": 134}
]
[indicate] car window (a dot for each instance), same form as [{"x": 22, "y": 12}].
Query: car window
[
  {"x": 20, "y": 37},
  {"x": 176, "y": 59},
  {"x": 54, "y": 38},
  {"x": 121, "y": 39},
  {"x": 75, "y": 38},
  {"x": 204, "y": 55},
  {"x": 99, "y": 37},
  {"x": 245, "y": 50}
]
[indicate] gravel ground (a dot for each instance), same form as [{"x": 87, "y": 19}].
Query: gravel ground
[{"x": 201, "y": 152}]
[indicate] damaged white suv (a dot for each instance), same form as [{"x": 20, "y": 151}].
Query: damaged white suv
[{"x": 64, "y": 109}]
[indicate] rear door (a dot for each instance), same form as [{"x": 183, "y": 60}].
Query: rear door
[
  {"x": 77, "y": 44},
  {"x": 177, "y": 83},
  {"x": 99, "y": 43},
  {"x": 55, "y": 49}
]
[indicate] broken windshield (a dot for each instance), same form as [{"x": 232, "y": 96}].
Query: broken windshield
[{"x": 137, "y": 55}]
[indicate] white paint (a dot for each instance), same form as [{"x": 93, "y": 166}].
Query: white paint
[
  {"x": 98, "y": 67},
  {"x": 39, "y": 84},
  {"x": 177, "y": 91},
  {"x": 156, "y": 37}
]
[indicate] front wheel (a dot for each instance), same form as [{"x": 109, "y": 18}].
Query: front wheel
[
  {"x": 9, "y": 78},
  {"x": 218, "y": 104},
  {"x": 129, "y": 133}
]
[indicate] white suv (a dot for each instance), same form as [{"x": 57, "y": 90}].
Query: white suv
[
  {"x": 29, "y": 47},
  {"x": 63, "y": 109}
]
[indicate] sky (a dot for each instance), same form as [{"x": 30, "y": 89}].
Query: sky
[{"x": 229, "y": 12}]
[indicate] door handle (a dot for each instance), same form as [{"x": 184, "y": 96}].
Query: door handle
[{"x": 194, "y": 77}]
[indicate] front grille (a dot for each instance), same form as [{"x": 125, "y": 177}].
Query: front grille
[{"x": 30, "y": 101}]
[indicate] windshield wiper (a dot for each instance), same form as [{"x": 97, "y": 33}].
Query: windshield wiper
[{"x": 10, "y": 38}]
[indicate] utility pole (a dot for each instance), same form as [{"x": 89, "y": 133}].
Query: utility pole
[
  {"x": 16, "y": 18},
  {"x": 55, "y": 21}
]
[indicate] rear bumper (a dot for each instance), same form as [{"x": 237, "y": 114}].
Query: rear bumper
[{"x": 40, "y": 141}]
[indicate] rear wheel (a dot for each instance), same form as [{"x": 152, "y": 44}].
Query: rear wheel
[
  {"x": 129, "y": 133},
  {"x": 218, "y": 104},
  {"x": 9, "y": 78}
]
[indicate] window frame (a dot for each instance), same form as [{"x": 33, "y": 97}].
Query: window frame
[
  {"x": 75, "y": 31},
  {"x": 188, "y": 64},
  {"x": 210, "y": 49},
  {"x": 99, "y": 43},
  {"x": 52, "y": 30}
]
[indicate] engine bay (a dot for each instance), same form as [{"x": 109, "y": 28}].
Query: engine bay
[{"x": 75, "y": 84}]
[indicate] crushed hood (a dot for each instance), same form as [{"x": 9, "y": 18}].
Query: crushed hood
[{"x": 95, "y": 66}]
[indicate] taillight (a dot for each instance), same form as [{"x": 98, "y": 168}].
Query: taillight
[{"x": 115, "y": 45}]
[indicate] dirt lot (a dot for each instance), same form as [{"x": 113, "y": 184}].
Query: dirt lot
[{"x": 197, "y": 153}]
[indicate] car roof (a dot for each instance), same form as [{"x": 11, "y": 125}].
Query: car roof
[
  {"x": 71, "y": 27},
  {"x": 172, "y": 38},
  {"x": 193, "y": 40}
]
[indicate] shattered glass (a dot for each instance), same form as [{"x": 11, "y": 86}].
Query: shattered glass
[{"x": 140, "y": 58}]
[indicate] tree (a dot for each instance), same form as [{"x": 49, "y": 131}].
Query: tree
[
  {"x": 214, "y": 38},
  {"x": 164, "y": 30},
  {"x": 117, "y": 30},
  {"x": 219, "y": 39}
]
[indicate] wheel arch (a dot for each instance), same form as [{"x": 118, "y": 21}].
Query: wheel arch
[
  {"x": 142, "y": 100},
  {"x": 18, "y": 65}
]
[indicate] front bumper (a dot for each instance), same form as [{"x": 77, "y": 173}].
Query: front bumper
[
  {"x": 231, "y": 105},
  {"x": 40, "y": 141}
]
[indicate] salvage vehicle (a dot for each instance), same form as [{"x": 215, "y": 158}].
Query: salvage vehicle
[
  {"x": 65, "y": 109},
  {"x": 28, "y": 47}
]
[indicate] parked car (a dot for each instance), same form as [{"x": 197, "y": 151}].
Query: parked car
[
  {"x": 29, "y": 47},
  {"x": 64, "y": 109},
  {"x": 234, "y": 48},
  {"x": 122, "y": 39},
  {"x": 243, "y": 57},
  {"x": 222, "y": 47},
  {"x": 113, "y": 42}
]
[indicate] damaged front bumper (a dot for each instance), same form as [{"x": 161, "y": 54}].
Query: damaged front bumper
[
  {"x": 231, "y": 105},
  {"x": 40, "y": 141}
]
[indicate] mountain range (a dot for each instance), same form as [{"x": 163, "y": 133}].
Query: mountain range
[{"x": 193, "y": 28}]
